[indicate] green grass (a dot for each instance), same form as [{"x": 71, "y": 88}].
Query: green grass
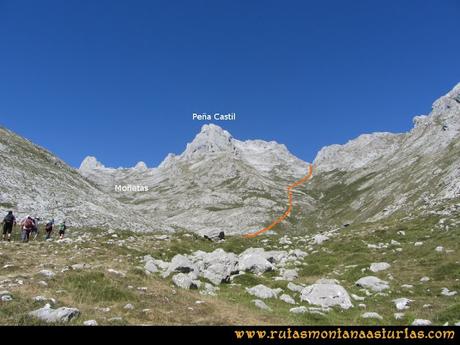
[{"x": 93, "y": 287}]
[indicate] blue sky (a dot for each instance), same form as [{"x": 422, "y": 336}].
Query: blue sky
[{"x": 121, "y": 79}]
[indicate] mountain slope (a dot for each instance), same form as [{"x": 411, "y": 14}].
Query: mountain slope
[
  {"x": 382, "y": 175},
  {"x": 34, "y": 181}
]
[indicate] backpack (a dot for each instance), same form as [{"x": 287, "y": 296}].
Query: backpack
[
  {"x": 49, "y": 226},
  {"x": 9, "y": 219},
  {"x": 62, "y": 227},
  {"x": 29, "y": 223}
]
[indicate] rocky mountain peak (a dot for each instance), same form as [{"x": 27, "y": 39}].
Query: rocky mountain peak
[
  {"x": 141, "y": 166},
  {"x": 90, "y": 163},
  {"x": 211, "y": 139}
]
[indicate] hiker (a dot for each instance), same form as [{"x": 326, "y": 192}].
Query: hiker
[
  {"x": 27, "y": 225},
  {"x": 49, "y": 229},
  {"x": 62, "y": 229},
  {"x": 8, "y": 223},
  {"x": 35, "y": 228}
]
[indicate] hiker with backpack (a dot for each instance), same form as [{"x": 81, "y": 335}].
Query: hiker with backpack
[
  {"x": 8, "y": 222},
  {"x": 62, "y": 229},
  {"x": 27, "y": 225},
  {"x": 49, "y": 229}
]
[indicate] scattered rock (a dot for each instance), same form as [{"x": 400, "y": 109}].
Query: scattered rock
[
  {"x": 44, "y": 299},
  {"x": 357, "y": 298},
  {"x": 254, "y": 262},
  {"x": 115, "y": 319},
  {"x": 48, "y": 314},
  {"x": 261, "y": 304},
  {"x": 402, "y": 303},
  {"x": 326, "y": 293},
  {"x": 298, "y": 310},
  {"x": 128, "y": 306},
  {"x": 262, "y": 291},
  {"x": 439, "y": 249},
  {"x": 181, "y": 264},
  {"x": 421, "y": 322},
  {"x": 289, "y": 275},
  {"x": 445, "y": 292},
  {"x": 424, "y": 279},
  {"x": 288, "y": 299},
  {"x": 379, "y": 266},
  {"x": 295, "y": 288},
  {"x": 117, "y": 273},
  {"x": 371, "y": 315},
  {"x": 151, "y": 267},
  {"x": 209, "y": 289},
  {"x": 47, "y": 273},
  {"x": 90, "y": 323},
  {"x": 320, "y": 238},
  {"x": 184, "y": 281},
  {"x": 78, "y": 267},
  {"x": 103, "y": 309},
  {"x": 42, "y": 283},
  {"x": 398, "y": 316},
  {"x": 373, "y": 283},
  {"x": 6, "y": 298}
]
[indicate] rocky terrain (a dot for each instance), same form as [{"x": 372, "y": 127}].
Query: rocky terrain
[{"x": 392, "y": 273}]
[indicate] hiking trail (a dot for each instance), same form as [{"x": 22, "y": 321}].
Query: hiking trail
[{"x": 288, "y": 211}]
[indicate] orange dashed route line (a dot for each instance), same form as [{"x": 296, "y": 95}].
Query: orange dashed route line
[{"x": 288, "y": 211}]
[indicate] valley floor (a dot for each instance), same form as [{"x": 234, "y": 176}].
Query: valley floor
[{"x": 102, "y": 274}]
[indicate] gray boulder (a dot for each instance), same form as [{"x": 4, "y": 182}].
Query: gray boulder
[
  {"x": 288, "y": 299},
  {"x": 79, "y": 267},
  {"x": 51, "y": 315},
  {"x": 299, "y": 310},
  {"x": 262, "y": 291},
  {"x": 421, "y": 322},
  {"x": 254, "y": 262},
  {"x": 181, "y": 264},
  {"x": 372, "y": 315},
  {"x": 294, "y": 287},
  {"x": 289, "y": 275},
  {"x": 184, "y": 281},
  {"x": 90, "y": 323},
  {"x": 261, "y": 304},
  {"x": 150, "y": 266},
  {"x": 47, "y": 273},
  {"x": 379, "y": 266},
  {"x": 326, "y": 293},
  {"x": 373, "y": 283},
  {"x": 402, "y": 303}
]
